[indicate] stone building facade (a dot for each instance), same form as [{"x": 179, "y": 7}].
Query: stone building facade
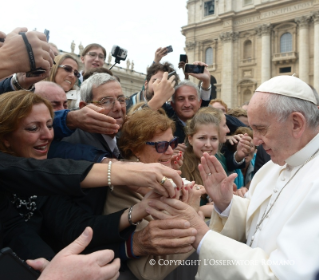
[{"x": 246, "y": 42}]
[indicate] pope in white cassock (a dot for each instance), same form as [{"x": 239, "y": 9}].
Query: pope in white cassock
[{"x": 273, "y": 233}]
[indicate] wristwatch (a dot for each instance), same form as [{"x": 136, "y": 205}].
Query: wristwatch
[{"x": 16, "y": 84}]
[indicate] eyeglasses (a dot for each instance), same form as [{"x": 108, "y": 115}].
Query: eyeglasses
[
  {"x": 69, "y": 69},
  {"x": 108, "y": 102},
  {"x": 94, "y": 54},
  {"x": 162, "y": 146}
]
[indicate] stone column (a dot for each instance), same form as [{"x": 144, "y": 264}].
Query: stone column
[
  {"x": 303, "y": 48},
  {"x": 265, "y": 30},
  {"x": 227, "y": 71},
  {"x": 316, "y": 51}
]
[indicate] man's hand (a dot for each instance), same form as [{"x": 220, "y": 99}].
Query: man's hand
[
  {"x": 69, "y": 265},
  {"x": 167, "y": 209},
  {"x": 163, "y": 90},
  {"x": 159, "y": 54},
  {"x": 203, "y": 77},
  {"x": 91, "y": 119},
  {"x": 14, "y": 56},
  {"x": 26, "y": 82},
  {"x": 181, "y": 64},
  {"x": 218, "y": 186},
  {"x": 173, "y": 236}
]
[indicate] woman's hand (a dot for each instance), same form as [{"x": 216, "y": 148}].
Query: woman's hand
[
  {"x": 234, "y": 139},
  {"x": 177, "y": 160},
  {"x": 191, "y": 194},
  {"x": 241, "y": 192},
  {"x": 218, "y": 186}
]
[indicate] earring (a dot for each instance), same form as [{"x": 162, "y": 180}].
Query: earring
[{"x": 137, "y": 159}]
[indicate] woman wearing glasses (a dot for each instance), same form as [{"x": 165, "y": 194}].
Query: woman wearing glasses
[
  {"x": 93, "y": 56},
  {"x": 147, "y": 136},
  {"x": 65, "y": 72}
]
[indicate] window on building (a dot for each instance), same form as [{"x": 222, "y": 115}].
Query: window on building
[
  {"x": 247, "y": 95},
  {"x": 247, "y": 49},
  {"x": 247, "y": 2},
  {"x": 286, "y": 42},
  {"x": 209, "y": 8},
  {"x": 285, "y": 70},
  {"x": 209, "y": 56}
]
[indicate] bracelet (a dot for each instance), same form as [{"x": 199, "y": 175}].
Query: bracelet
[
  {"x": 206, "y": 89},
  {"x": 129, "y": 216},
  {"x": 109, "y": 176},
  {"x": 16, "y": 84},
  {"x": 242, "y": 161},
  {"x": 29, "y": 50}
]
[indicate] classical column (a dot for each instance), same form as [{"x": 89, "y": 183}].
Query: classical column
[
  {"x": 265, "y": 30},
  {"x": 228, "y": 68},
  {"x": 303, "y": 48},
  {"x": 315, "y": 17}
]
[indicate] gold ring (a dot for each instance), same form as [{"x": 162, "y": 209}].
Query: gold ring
[
  {"x": 163, "y": 181},
  {"x": 209, "y": 174}
]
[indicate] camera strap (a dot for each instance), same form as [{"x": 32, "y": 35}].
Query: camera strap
[{"x": 29, "y": 51}]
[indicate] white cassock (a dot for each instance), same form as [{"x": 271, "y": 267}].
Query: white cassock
[{"x": 286, "y": 246}]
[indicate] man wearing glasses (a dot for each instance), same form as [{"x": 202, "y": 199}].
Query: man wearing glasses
[{"x": 103, "y": 91}]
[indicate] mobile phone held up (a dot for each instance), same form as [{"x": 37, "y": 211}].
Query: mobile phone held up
[
  {"x": 169, "y": 49},
  {"x": 196, "y": 69},
  {"x": 183, "y": 57}
]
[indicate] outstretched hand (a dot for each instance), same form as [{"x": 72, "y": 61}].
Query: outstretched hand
[
  {"x": 218, "y": 186},
  {"x": 69, "y": 265}
]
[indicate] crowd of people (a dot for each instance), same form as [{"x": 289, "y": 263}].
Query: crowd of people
[{"x": 95, "y": 185}]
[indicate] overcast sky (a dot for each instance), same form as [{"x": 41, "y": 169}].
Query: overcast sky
[{"x": 140, "y": 26}]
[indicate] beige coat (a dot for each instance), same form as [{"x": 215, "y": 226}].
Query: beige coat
[{"x": 122, "y": 197}]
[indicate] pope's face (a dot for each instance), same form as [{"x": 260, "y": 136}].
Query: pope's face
[{"x": 275, "y": 137}]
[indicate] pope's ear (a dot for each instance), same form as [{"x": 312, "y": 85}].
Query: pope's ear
[{"x": 299, "y": 124}]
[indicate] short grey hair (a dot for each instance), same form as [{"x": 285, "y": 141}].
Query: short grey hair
[
  {"x": 95, "y": 80},
  {"x": 189, "y": 84},
  {"x": 282, "y": 106}
]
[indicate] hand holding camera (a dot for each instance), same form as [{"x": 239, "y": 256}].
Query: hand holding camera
[
  {"x": 199, "y": 70},
  {"x": 15, "y": 56}
]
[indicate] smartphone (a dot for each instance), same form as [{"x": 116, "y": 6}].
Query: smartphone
[
  {"x": 169, "y": 49},
  {"x": 183, "y": 57},
  {"x": 170, "y": 74},
  {"x": 47, "y": 34},
  {"x": 196, "y": 69},
  {"x": 37, "y": 72},
  {"x": 12, "y": 267}
]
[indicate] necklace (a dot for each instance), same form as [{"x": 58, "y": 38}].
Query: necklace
[{"x": 272, "y": 205}]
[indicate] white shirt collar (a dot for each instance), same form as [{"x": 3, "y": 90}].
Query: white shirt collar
[
  {"x": 305, "y": 153},
  {"x": 111, "y": 141}
]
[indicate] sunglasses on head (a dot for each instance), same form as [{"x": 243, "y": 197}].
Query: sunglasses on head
[
  {"x": 69, "y": 69},
  {"x": 162, "y": 146}
]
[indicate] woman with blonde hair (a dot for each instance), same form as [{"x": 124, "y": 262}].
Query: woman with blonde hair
[{"x": 65, "y": 73}]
